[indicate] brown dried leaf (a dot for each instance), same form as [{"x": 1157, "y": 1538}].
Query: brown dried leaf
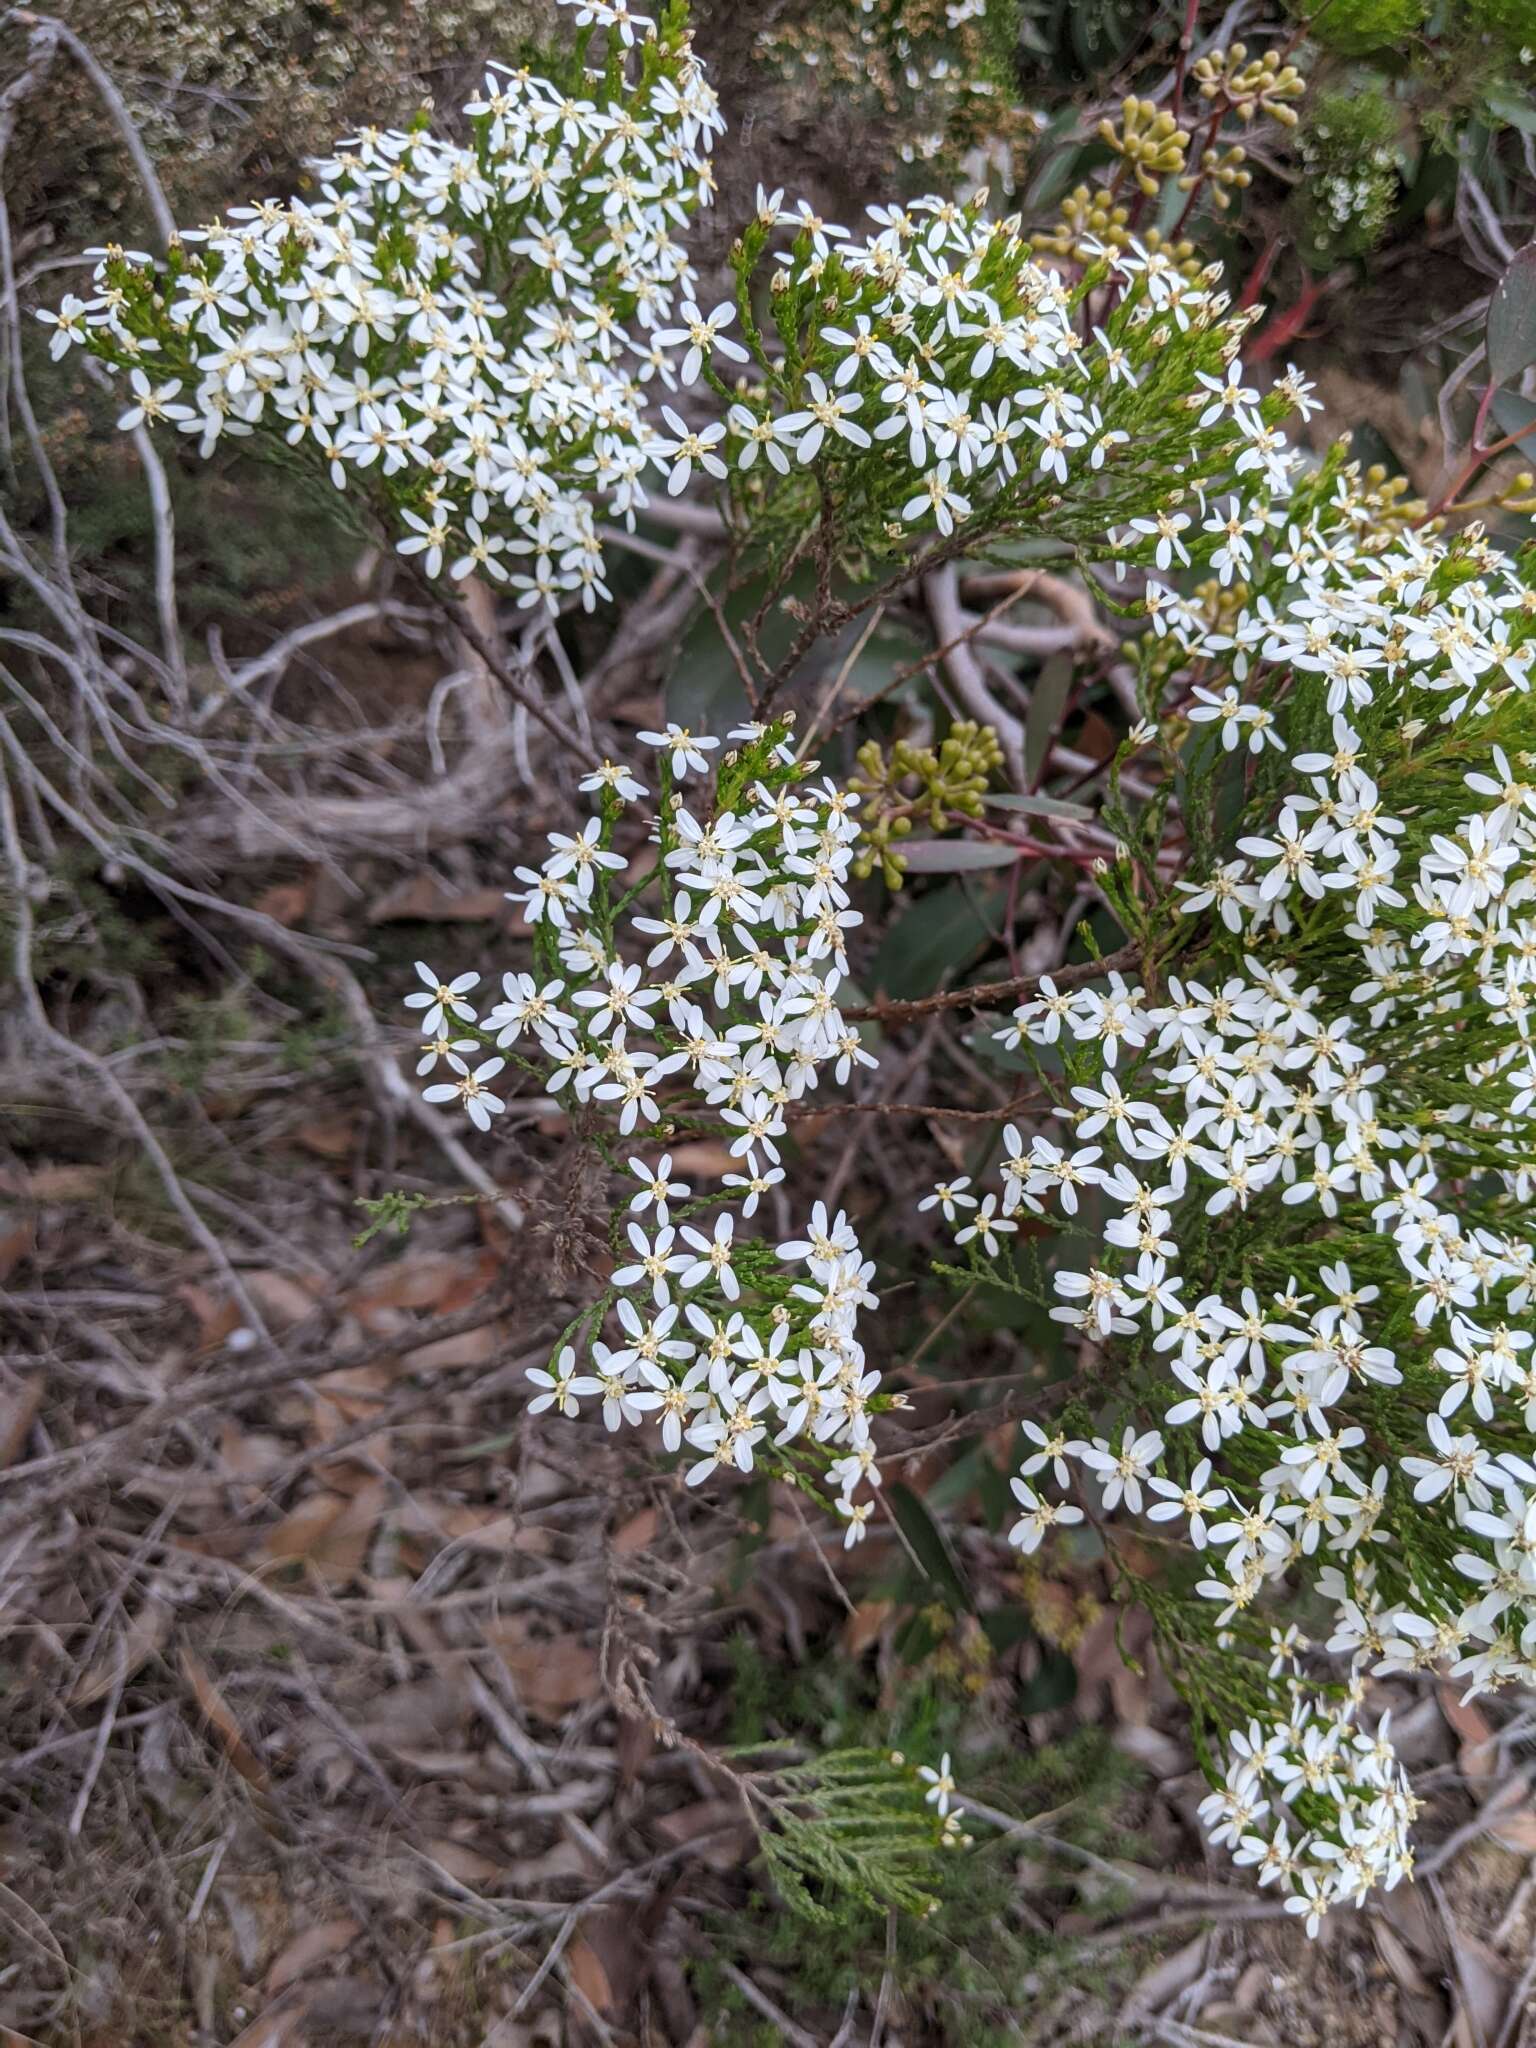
[
  {"x": 465, "y": 1863},
  {"x": 18, "y": 1411},
  {"x": 1483, "y": 1984},
  {"x": 552, "y": 1674},
  {"x": 1517, "y": 1831},
  {"x": 490, "y": 1529},
  {"x": 863, "y": 1626},
  {"x": 328, "y": 1137},
  {"x": 445, "y": 1281},
  {"x": 588, "y": 1974},
  {"x": 1395, "y": 1954},
  {"x": 218, "y": 1716},
  {"x": 143, "y": 1638},
  {"x": 15, "y": 1245},
  {"x": 1478, "y": 1755},
  {"x": 282, "y": 1299},
  {"x": 315, "y": 1944},
  {"x": 215, "y": 1316},
  {"x": 287, "y": 902},
  {"x": 638, "y": 1533},
  {"x": 53, "y": 1183},
  {"x": 329, "y": 1532},
  {"x": 704, "y": 1155},
  {"x": 277, "y": 2027},
  {"x": 469, "y": 1347},
  {"x": 1156, "y": 1987},
  {"x": 724, "y": 1835},
  {"x": 250, "y": 1454}
]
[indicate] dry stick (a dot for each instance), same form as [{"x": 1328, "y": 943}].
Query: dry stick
[
  {"x": 48, "y": 35},
  {"x": 98, "y": 1754},
  {"x": 551, "y": 643},
  {"x": 941, "y": 590},
  {"x": 458, "y": 614},
  {"x": 796, "y": 2036},
  {"x": 396, "y": 1092},
  {"x": 978, "y": 1116},
  {"x": 651, "y": 627},
  {"x": 41, "y": 51},
  {"x": 111, "y": 1449},
  {"x": 677, "y": 559},
  {"x": 281, "y": 652},
  {"x": 266, "y": 927},
  {"x": 1071, "y": 604},
  {"x": 974, "y": 1422},
  {"x": 986, "y": 994},
  {"x": 164, "y": 521},
  {"x": 887, "y": 1980},
  {"x": 978, "y": 630},
  {"x": 32, "y": 1004},
  {"x": 844, "y": 671}
]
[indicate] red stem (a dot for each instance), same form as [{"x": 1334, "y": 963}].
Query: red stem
[
  {"x": 1256, "y": 278},
  {"x": 1186, "y": 44},
  {"x": 1284, "y": 327}
]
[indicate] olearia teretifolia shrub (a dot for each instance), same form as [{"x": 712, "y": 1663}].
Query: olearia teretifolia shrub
[
  {"x": 1303, "y": 1332},
  {"x": 465, "y": 328},
  {"x": 1293, "y": 1171}
]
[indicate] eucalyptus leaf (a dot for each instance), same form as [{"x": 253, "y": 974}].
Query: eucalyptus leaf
[
  {"x": 927, "y": 1543},
  {"x": 938, "y": 935},
  {"x": 1047, "y": 700},
  {"x": 1040, "y": 806},
  {"x": 1512, "y": 319},
  {"x": 1517, "y": 112},
  {"x": 955, "y": 856},
  {"x": 1514, "y": 414}
]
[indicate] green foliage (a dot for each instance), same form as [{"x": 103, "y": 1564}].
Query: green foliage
[
  {"x": 848, "y": 1832},
  {"x": 252, "y": 539},
  {"x": 396, "y": 1210},
  {"x": 1350, "y": 143},
  {"x": 968, "y": 1964},
  {"x": 1354, "y": 27}
]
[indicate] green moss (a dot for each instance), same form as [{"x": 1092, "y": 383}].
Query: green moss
[
  {"x": 1351, "y": 152},
  {"x": 1356, "y": 27}
]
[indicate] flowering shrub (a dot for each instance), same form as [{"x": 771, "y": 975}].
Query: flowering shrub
[
  {"x": 728, "y": 1017},
  {"x": 1292, "y": 1125},
  {"x": 953, "y": 385},
  {"x": 1304, "y": 1164},
  {"x": 467, "y": 326}
]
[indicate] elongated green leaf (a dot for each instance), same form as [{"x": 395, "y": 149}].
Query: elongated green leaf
[
  {"x": 954, "y": 856},
  {"x": 928, "y": 1544},
  {"x": 1516, "y": 111},
  {"x": 1514, "y": 414},
  {"x": 1512, "y": 319},
  {"x": 1039, "y": 806},
  {"x": 1053, "y": 1685},
  {"x": 1047, "y": 700},
  {"x": 938, "y": 935}
]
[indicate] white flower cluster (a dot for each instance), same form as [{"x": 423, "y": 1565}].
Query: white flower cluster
[
  {"x": 777, "y": 1355},
  {"x": 729, "y": 1004},
  {"x": 1368, "y": 1425},
  {"x": 469, "y": 324},
  {"x": 1318, "y": 1754},
  {"x": 961, "y": 353}
]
